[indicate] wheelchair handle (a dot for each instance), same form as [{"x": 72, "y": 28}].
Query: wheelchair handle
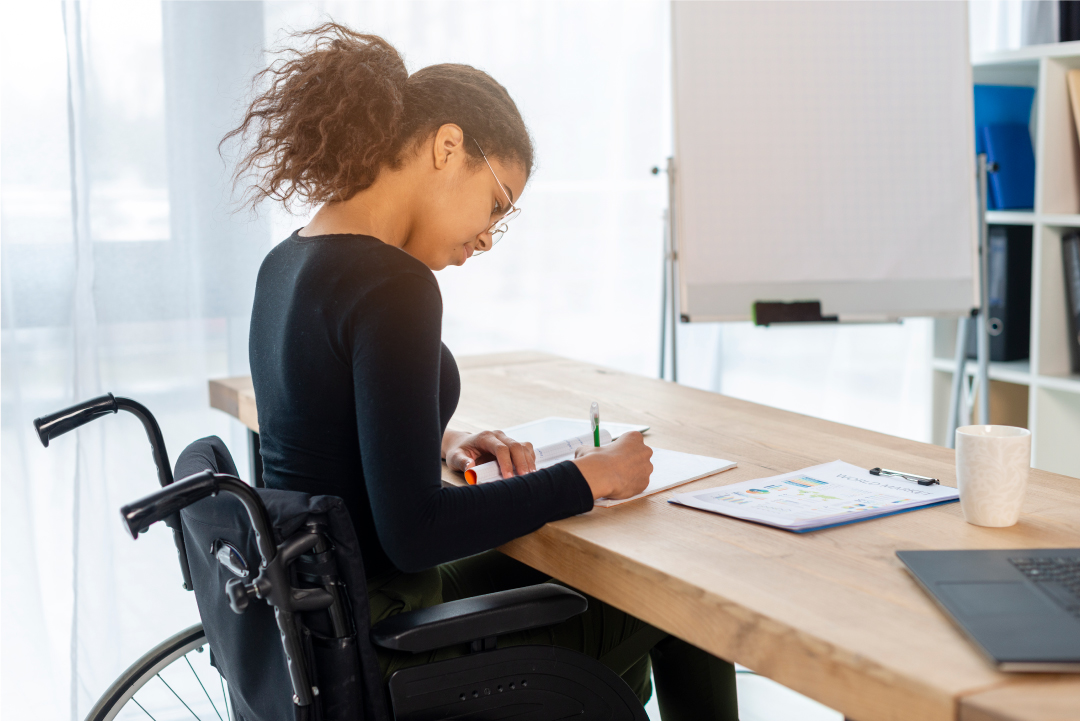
[
  {"x": 160, "y": 505},
  {"x": 60, "y": 422}
]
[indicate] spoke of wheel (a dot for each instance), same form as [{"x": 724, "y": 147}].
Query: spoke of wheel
[
  {"x": 212, "y": 704},
  {"x": 143, "y": 710},
  {"x": 178, "y": 697},
  {"x": 225, "y": 696}
]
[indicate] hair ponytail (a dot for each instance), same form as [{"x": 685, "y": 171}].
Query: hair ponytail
[
  {"x": 330, "y": 118},
  {"x": 335, "y": 113}
]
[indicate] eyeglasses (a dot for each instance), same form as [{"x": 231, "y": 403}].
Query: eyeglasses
[{"x": 497, "y": 228}]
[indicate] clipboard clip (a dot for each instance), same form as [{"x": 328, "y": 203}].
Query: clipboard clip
[{"x": 921, "y": 480}]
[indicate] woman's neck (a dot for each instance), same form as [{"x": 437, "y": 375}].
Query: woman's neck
[{"x": 382, "y": 210}]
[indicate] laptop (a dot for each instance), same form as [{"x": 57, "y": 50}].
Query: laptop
[{"x": 1020, "y": 607}]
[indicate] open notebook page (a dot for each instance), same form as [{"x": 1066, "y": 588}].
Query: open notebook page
[{"x": 670, "y": 468}]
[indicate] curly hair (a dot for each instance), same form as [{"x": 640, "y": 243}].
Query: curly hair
[{"x": 334, "y": 114}]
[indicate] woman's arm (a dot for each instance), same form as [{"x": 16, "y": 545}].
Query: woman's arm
[
  {"x": 618, "y": 470},
  {"x": 395, "y": 338}
]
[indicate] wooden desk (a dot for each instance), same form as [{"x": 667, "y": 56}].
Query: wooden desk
[
  {"x": 831, "y": 614},
  {"x": 1044, "y": 698}
]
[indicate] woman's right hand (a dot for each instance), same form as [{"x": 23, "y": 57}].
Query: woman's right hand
[{"x": 617, "y": 470}]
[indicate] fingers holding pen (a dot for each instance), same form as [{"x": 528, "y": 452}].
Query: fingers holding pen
[{"x": 618, "y": 470}]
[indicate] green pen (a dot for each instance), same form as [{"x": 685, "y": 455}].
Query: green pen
[{"x": 595, "y": 413}]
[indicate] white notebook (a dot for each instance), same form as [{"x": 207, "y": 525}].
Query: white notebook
[{"x": 670, "y": 468}]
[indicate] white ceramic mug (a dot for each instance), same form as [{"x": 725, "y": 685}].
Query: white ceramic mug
[{"x": 992, "y": 464}]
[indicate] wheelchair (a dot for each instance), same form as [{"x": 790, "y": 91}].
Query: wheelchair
[{"x": 286, "y": 633}]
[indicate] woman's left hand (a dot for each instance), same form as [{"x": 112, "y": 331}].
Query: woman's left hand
[{"x": 462, "y": 451}]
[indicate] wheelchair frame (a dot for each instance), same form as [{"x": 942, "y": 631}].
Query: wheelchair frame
[
  {"x": 572, "y": 683},
  {"x": 272, "y": 583}
]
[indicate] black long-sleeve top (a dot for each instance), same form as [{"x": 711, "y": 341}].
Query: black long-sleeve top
[{"x": 355, "y": 388}]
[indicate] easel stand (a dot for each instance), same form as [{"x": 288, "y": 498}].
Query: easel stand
[
  {"x": 669, "y": 294},
  {"x": 960, "y": 399},
  {"x": 963, "y": 391}
]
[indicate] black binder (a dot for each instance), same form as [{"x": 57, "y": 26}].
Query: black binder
[
  {"x": 1070, "y": 256},
  {"x": 1068, "y": 20},
  {"x": 1009, "y": 316}
]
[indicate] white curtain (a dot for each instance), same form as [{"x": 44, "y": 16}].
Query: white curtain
[{"x": 126, "y": 269}]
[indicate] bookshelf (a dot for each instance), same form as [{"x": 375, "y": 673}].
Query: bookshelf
[{"x": 1038, "y": 393}]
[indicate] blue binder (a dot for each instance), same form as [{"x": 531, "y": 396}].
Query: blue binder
[
  {"x": 1005, "y": 105},
  {"x": 1012, "y": 186},
  {"x": 995, "y": 104}
]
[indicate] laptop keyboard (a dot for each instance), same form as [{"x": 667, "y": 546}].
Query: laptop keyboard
[{"x": 1058, "y": 578}]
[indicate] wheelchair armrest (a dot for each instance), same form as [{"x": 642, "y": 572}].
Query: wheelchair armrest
[{"x": 480, "y": 617}]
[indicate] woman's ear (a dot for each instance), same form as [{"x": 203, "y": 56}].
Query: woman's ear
[{"x": 448, "y": 145}]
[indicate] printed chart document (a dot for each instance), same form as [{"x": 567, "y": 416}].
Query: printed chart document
[
  {"x": 831, "y": 494},
  {"x": 670, "y": 468}
]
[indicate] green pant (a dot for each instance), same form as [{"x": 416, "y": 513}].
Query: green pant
[{"x": 691, "y": 685}]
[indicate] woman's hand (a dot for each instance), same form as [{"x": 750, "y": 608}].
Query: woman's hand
[
  {"x": 463, "y": 450},
  {"x": 617, "y": 470}
]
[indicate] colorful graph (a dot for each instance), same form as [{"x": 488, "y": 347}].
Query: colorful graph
[{"x": 805, "y": 482}]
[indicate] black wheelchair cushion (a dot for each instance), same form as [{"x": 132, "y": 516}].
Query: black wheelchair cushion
[
  {"x": 204, "y": 454},
  {"x": 470, "y": 619},
  {"x": 246, "y": 647}
]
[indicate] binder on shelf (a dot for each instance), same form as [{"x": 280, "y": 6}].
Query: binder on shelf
[
  {"x": 1068, "y": 21},
  {"x": 995, "y": 104},
  {"x": 1073, "y": 80},
  {"x": 1006, "y": 105},
  {"x": 1012, "y": 184},
  {"x": 1070, "y": 256},
  {"x": 1009, "y": 314}
]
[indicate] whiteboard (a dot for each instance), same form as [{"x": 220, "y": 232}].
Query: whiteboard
[{"x": 824, "y": 151}]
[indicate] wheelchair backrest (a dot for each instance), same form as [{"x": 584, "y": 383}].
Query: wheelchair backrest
[{"x": 247, "y": 647}]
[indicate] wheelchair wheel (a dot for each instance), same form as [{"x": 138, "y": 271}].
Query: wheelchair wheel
[{"x": 173, "y": 680}]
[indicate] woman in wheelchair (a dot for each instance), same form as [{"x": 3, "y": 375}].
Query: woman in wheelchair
[{"x": 413, "y": 173}]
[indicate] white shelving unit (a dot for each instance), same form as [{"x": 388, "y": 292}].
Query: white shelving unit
[{"x": 1052, "y": 392}]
